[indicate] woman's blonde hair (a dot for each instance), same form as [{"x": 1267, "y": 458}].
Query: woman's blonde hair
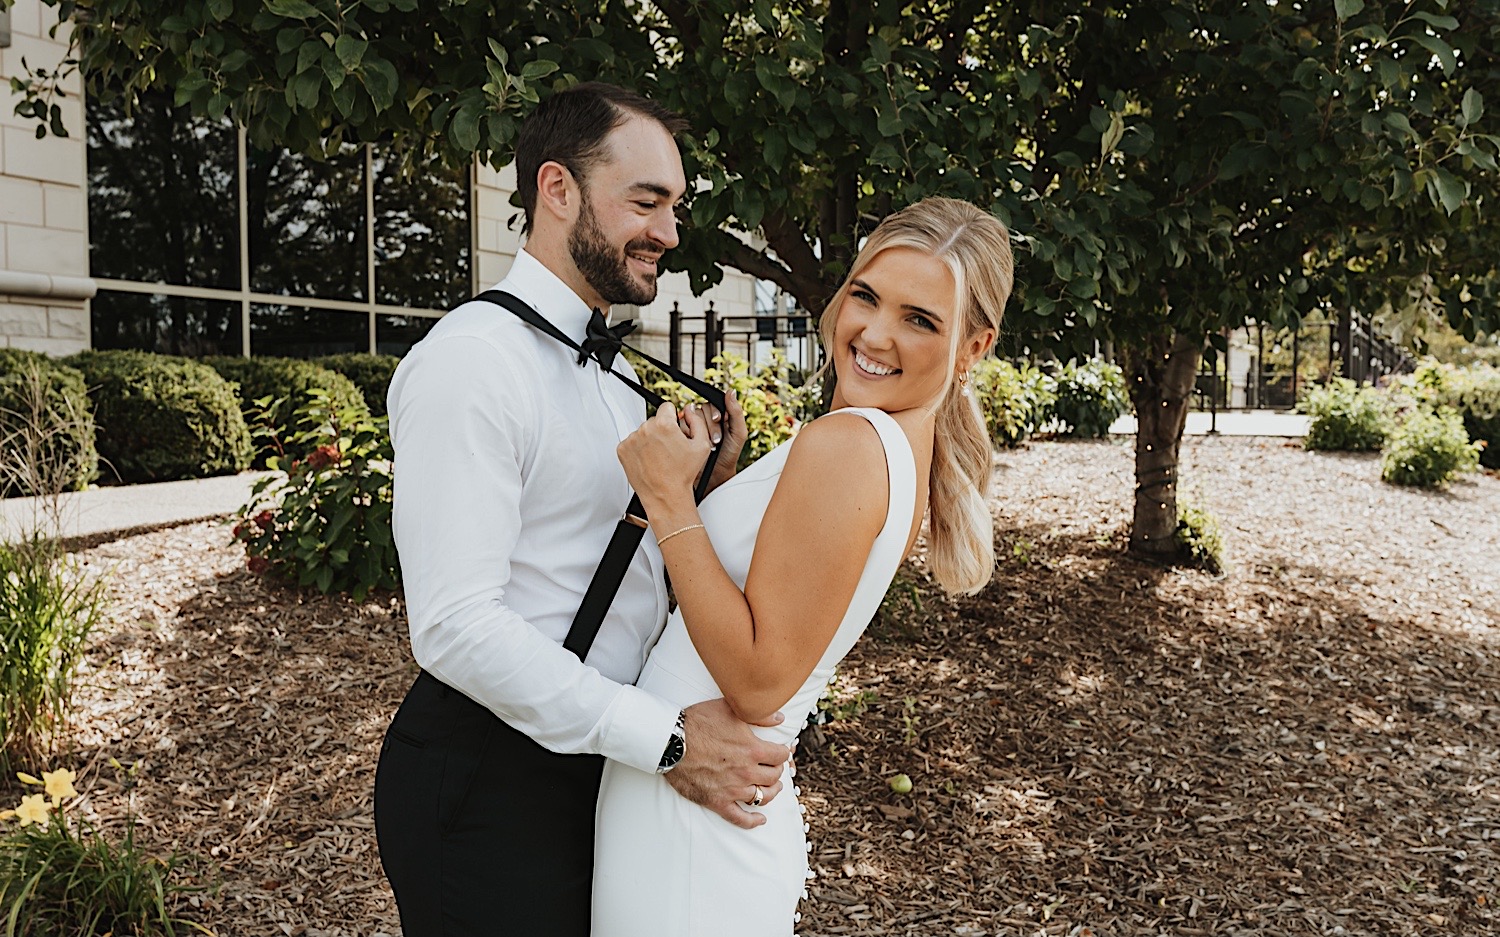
[{"x": 976, "y": 248}]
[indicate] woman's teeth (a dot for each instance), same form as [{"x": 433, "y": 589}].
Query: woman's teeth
[{"x": 871, "y": 365}]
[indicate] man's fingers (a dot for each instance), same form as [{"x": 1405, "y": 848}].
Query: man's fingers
[
  {"x": 770, "y": 753},
  {"x": 736, "y": 813}
]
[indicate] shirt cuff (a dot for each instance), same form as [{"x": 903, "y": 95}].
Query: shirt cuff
[{"x": 639, "y": 729}]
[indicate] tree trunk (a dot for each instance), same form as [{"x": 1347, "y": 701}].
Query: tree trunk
[{"x": 1160, "y": 373}]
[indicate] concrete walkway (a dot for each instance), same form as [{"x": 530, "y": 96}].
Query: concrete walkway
[
  {"x": 1233, "y": 423},
  {"x": 108, "y": 512},
  {"x": 103, "y": 513}
]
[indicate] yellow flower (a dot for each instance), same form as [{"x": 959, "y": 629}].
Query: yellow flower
[
  {"x": 7, "y": 814},
  {"x": 28, "y": 779},
  {"x": 33, "y": 809},
  {"x": 59, "y": 784}
]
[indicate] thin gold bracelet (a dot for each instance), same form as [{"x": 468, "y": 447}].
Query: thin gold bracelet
[{"x": 682, "y": 530}]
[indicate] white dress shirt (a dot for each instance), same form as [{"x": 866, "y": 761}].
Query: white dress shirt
[{"x": 507, "y": 489}]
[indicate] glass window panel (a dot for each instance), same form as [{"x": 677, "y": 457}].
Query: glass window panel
[
  {"x": 307, "y": 224},
  {"x": 421, "y": 236},
  {"x": 162, "y": 196},
  {"x": 394, "y": 335},
  {"x": 171, "y": 325},
  {"x": 294, "y": 332}
]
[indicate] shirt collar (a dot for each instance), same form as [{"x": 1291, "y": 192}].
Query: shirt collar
[{"x": 530, "y": 280}]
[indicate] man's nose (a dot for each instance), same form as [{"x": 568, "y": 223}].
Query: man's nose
[{"x": 664, "y": 229}]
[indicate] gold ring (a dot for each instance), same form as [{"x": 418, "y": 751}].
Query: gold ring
[{"x": 760, "y": 796}]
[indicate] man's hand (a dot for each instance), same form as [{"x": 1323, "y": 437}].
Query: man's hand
[
  {"x": 725, "y": 762},
  {"x": 732, "y": 426}
]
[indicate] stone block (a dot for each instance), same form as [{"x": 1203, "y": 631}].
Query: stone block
[
  {"x": 53, "y": 159},
  {"x": 66, "y": 209},
  {"x": 493, "y": 204},
  {"x": 44, "y": 250},
  {"x": 56, "y": 347},
  {"x": 493, "y": 267},
  {"x": 68, "y": 322},
  {"x": 26, "y": 18},
  {"x": 489, "y": 234},
  {"x": 21, "y": 202},
  {"x": 19, "y": 320}
]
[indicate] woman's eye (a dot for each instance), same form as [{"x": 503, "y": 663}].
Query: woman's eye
[
  {"x": 924, "y": 323},
  {"x": 863, "y": 296}
]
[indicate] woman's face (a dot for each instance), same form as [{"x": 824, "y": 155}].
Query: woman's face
[{"x": 896, "y": 339}]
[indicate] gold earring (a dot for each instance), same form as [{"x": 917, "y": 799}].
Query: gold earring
[{"x": 963, "y": 379}]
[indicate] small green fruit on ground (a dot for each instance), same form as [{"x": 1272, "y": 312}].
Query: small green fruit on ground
[{"x": 901, "y": 784}]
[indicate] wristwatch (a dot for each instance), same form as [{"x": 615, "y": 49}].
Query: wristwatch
[{"x": 676, "y": 746}]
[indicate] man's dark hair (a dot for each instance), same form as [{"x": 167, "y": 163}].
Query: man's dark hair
[{"x": 570, "y": 128}]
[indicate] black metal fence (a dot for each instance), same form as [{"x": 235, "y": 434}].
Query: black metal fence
[
  {"x": 1284, "y": 363},
  {"x": 694, "y": 341}
]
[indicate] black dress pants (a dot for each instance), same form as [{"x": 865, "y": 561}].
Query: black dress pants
[{"x": 482, "y": 831}]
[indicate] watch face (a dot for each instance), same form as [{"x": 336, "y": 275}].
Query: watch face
[{"x": 674, "y": 752}]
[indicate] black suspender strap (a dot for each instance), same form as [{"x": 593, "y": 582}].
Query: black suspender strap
[{"x": 632, "y": 526}]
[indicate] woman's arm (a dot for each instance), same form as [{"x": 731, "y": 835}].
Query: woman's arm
[{"x": 829, "y": 506}]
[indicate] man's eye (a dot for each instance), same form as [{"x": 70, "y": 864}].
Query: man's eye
[{"x": 648, "y": 206}]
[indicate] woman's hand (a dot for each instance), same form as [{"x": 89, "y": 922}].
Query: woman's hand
[
  {"x": 664, "y": 458},
  {"x": 735, "y": 433}
]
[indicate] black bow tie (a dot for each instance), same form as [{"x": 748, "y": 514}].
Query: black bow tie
[{"x": 603, "y": 341}]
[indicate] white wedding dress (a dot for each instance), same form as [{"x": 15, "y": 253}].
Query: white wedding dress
[{"x": 666, "y": 867}]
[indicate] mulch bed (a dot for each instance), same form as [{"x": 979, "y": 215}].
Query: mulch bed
[{"x": 1309, "y": 744}]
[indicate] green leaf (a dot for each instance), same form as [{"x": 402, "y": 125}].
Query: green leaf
[
  {"x": 1028, "y": 82},
  {"x": 220, "y": 9},
  {"x": 1436, "y": 19},
  {"x": 465, "y": 127},
  {"x": 1451, "y": 190},
  {"x": 538, "y": 68},
  {"x": 292, "y": 9},
  {"x": 1439, "y": 48},
  {"x": 1473, "y": 106},
  {"x": 1347, "y": 8},
  {"x": 382, "y": 81},
  {"x": 350, "y": 49}
]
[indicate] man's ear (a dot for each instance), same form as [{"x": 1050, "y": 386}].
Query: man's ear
[{"x": 557, "y": 192}]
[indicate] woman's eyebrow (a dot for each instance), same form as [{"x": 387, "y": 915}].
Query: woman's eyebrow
[{"x": 871, "y": 290}]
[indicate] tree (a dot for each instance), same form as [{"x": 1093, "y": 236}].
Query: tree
[{"x": 1171, "y": 167}]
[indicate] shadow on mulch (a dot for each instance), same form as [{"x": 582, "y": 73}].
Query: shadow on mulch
[{"x": 1103, "y": 745}]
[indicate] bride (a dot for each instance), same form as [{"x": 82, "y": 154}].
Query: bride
[{"x": 778, "y": 571}]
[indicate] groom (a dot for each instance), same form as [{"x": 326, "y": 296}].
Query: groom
[{"x": 507, "y": 490}]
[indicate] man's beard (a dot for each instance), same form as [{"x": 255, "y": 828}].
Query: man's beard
[{"x": 605, "y": 268}]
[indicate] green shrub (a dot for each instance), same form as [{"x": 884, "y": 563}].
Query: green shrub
[
  {"x": 46, "y": 426},
  {"x": 1199, "y": 536},
  {"x": 1473, "y": 392},
  {"x": 370, "y": 373},
  {"x": 1014, "y": 400},
  {"x": 49, "y": 606},
  {"x": 325, "y": 521},
  {"x": 284, "y": 386},
  {"x": 1089, "y": 398},
  {"x": 161, "y": 418},
  {"x": 61, "y": 875},
  {"x": 1345, "y": 416},
  {"x": 1428, "y": 450}
]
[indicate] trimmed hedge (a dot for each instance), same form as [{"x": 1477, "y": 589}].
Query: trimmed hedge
[
  {"x": 370, "y": 373},
  {"x": 289, "y": 382},
  {"x": 1015, "y": 400},
  {"x": 1428, "y": 450},
  {"x": 161, "y": 418},
  {"x": 64, "y": 459}
]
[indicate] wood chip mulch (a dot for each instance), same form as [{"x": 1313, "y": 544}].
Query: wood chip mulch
[{"x": 1308, "y": 744}]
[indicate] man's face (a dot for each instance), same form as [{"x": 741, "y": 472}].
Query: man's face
[{"x": 626, "y": 219}]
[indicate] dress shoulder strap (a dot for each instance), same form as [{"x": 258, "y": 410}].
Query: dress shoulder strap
[{"x": 901, "y": 472}]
